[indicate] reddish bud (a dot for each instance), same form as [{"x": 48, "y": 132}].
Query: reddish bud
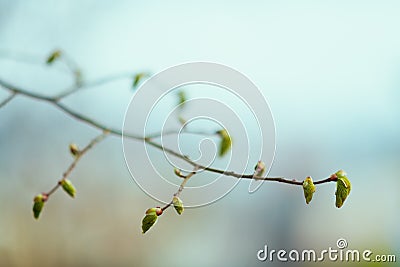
[
  {"x": 159, "y": 211},
  {"x": 333, "y": 177},
  {"x": 45, "y": 197}
]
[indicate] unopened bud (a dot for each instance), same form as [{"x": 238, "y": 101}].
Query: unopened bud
[
  {"x": 68, "y": 187},
  {"x": 309, "y": 189},
  {"x": 138, "y": 78},
  {"x": 178, "y": 173},
  {"x": 38, "y": 204},
  {"x": 178, "y": 205},
  {"x": 181, "y": 99},
  {"x": 53, "y": 56},
  {"x": 73, "y": 148},
  {"x": 226, "y": 142},
  {"x": 150, "y": 218},
  {"x": 157, "y": 211},
  {"x": 343, "y": 188},
  {"x": 259, "y": 169}
]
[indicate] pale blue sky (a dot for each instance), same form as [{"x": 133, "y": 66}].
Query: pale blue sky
[{"x": 329, "y": 69}]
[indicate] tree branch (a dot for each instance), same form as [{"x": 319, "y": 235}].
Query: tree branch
[
  {"x": 151, "y": 214},
  {"x": 87, "y": 85},
  {"x": 181, "y": 187},
  {"x": 8, "y": 99},
  {"x": 148, "y": 140},
  {"x": 78, "y": 156}
]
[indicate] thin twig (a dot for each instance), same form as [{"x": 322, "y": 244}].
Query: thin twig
[
  {"x": 173, "y": 132},
  {"x": 87, "y": 85},
  {"x": 54, "y": 101},
  {"x": 73, "y": 68},
  {"x": 8, "y": 99},
  {"x": 230, "y": 173},
  {"x": 181, "y": 187},
  {"x": 72, "y": 166},
  {"x": 21, "y": 57}
]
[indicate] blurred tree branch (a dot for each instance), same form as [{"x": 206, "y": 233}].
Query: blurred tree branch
[
  {"x": 80, "y": 84},
  {"x": 8, "y": 99},
  {"x": 148, "y": 139}
]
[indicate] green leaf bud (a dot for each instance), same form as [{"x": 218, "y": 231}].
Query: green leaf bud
[
  {"x": 53, "y": 57},
  {"x": 68, "y": 187},
  {"x": 178, "y": 205},
  {"x": 259, "y": 169},
  {"x": 226, "y": 142},
  {"x": 343, "y": 188},
  {"x": 309, "y": 189},
  {"x": 38, "y": 204},
  {"x": 73, "y": 148}
]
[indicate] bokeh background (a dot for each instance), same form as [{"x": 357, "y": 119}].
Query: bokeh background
[{"x": 329, "y": 69}]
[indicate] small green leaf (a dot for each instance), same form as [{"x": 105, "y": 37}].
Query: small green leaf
[
  {"x": 343, "y": 188},
  {"x": 38, "y": 204},
  {"x": 178, "y": 205},
  {"x": 309, "y": 189},
  {"x": 73, "y": 148},
  {"x": 226, "y": 142},
  {"x": 53, "y": 57},
  {"x": 259, "y": 169},
  {"x": 181, "y": 99},
  {"x": 138, "y": 78},
  {"x": 150, "y": 219},
  {"x": 68, "y": 187}
]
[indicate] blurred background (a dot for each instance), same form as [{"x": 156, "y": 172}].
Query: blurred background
[{"x": 329, "y": 70}]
